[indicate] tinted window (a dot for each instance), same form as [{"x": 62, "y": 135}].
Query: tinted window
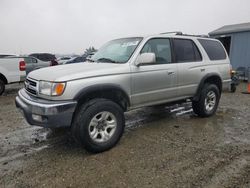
[
  {"x": 44, "y": 56},
  {"x": 161, "y": 48},
  {"x": 186, "y": 51},
  {"x": 65, "y": 58},
  {"x": 214, "y": 49}
]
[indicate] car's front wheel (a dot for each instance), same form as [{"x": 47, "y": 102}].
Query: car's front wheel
[
  {"x": 98, "y": 125},
  {"x": 208, "y": 102}
]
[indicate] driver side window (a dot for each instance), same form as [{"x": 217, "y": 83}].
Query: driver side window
[{"x": 161, "y": 48}]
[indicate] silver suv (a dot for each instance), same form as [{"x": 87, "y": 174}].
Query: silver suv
[{"x": 124, "y": 74}]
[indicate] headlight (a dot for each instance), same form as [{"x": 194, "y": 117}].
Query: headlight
[{"x": 51, "y": 88}]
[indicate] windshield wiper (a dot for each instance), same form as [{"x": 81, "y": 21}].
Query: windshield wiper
[{"x": 107, "y": 60}]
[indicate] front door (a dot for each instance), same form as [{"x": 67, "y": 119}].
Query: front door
[{"x": 156, "y": 82}]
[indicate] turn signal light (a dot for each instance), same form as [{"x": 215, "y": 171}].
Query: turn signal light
[{"x": 59, "y": 88}]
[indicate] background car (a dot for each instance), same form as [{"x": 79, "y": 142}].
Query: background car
[
  {"x": 79, "y": 59},
  {"x": 44, "y": 56},
  {"x": 12, "y": 70},
  {"x": 63, "y": 60},
  {"x": 32, "y": 63}
]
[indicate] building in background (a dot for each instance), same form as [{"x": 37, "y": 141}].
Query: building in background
[{"x": 236, "y": 40}]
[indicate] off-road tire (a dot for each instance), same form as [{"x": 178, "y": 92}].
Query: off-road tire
[
  {"x": 2, "y": 87},
  {"x": 199, "y": 106},
  {"x": 82, "y": 118}
]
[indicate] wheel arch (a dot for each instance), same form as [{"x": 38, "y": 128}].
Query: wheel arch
[
  {"x": 107, "y": 91},
  {"x": 2, "y": 77},
  {"x": 212, "y": 78}
]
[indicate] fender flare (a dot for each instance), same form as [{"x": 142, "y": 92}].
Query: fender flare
[
  {"x": 101, "y": 87},
  {"x": 202, "y": 83}
]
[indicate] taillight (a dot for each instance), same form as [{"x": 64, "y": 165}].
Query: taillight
[{"x": 22, "y": 66}]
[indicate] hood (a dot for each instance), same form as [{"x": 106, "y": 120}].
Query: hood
[{"x": 69, "y": 72}]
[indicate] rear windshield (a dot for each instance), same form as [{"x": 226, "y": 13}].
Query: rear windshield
[
  {"x": 44, "y": 56},
  {"x": 214, "y": 49}
]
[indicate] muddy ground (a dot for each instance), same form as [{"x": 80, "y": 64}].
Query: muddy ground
[{"x": 168, "y": 147}]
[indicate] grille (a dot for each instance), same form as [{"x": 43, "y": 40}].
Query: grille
[{"x": 31, "y": 86}]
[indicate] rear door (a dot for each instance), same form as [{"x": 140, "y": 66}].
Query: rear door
[
  {"x": 190, "y": 66},
  {"x": 152, "y": 83}
]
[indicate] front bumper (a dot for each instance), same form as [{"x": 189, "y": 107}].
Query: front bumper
[{"x": 45, "y": 113}]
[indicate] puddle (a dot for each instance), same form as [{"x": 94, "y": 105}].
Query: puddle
[
  {"x": 141, "y": 117},
  {"x": 26, "y": 141}
]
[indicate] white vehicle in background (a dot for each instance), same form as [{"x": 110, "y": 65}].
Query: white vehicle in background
[
  {"x": 12, "y": 70},
  {"x": 63, "y": 60},
  {"x": 77, "y": 59}
]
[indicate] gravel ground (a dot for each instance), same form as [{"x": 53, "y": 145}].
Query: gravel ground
[{"x": 167, "y": 147}]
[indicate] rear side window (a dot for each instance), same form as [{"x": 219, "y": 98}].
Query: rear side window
[
  {"x": 214, "y": 49},
  {"x": 186, "y": 51},
  {"x": 30, "y": 60}
]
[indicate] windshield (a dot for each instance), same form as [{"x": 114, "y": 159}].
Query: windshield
[{"x": 116, "y": 51}]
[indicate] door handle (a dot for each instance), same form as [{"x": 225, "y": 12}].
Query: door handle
[{"x": 202, "y": 70}]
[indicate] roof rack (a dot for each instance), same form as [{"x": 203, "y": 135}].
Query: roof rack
[
  {"x": 203, "y": 36},
  {"x": 174, "y": 32},
  {"x": 182, "y": 34}
]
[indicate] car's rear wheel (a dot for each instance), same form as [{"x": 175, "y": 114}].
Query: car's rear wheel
[
  {"x": 208, "y": 102},
  {"x": 98, "y": 125},
  {"x": 2, "y": 87}
]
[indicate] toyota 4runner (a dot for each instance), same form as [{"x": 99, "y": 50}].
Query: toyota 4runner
[{"x": 125, "y": 74}]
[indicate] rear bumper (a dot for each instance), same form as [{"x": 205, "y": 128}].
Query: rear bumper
[{"x": 45, "y": 113}]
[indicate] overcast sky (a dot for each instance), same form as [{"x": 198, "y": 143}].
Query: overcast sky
[{"x": 70, "y": 26}]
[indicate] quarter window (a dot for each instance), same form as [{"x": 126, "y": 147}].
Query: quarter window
[
  {"x": 161, "y": 48},
  {"x": 186, "y": 51},
  {"x": 214, "y": 49}
]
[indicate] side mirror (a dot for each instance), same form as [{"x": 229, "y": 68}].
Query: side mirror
[{"x": 145, "y": 58}]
